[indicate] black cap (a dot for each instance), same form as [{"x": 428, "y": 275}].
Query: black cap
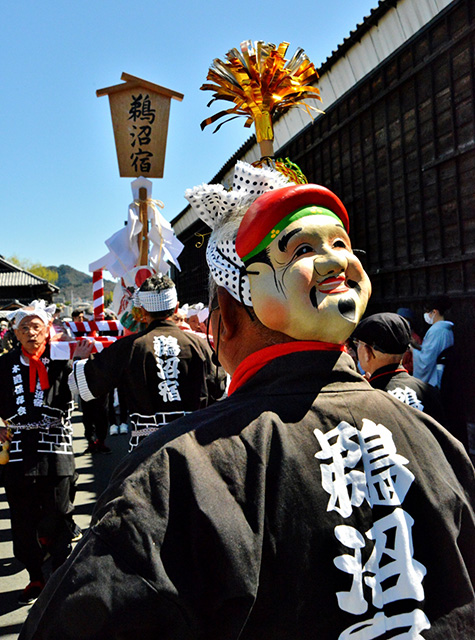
[{"x": 386, "y": 332}]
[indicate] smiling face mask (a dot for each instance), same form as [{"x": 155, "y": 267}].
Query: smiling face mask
[{"x": 304, "y": 279}]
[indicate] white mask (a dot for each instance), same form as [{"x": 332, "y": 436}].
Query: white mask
[{"x": 429, "y": 318}]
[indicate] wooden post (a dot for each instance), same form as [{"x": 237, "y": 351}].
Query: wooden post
[
  {"x": 266, "y": 148},
  {"x": 143, "y": 240}
]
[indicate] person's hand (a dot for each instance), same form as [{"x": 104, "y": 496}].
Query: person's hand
[
  {"x": 63, "y": 336},
  {"x": 83, "y": 350}
]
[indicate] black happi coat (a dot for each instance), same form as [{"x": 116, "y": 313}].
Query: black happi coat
[
  {"x": 223, "y": 524},
  {"x": 37, "y": 452},
  {"x": 132, "y": 362},
  {"x": 399, "y": 383}
]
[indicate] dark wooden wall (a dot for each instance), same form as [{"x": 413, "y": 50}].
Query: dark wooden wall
[
  {"x": 399, "y": 150},
  {"x": 192, "y": 280}
]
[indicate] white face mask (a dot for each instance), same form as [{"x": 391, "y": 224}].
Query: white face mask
[{"x": 428, "y": 318}]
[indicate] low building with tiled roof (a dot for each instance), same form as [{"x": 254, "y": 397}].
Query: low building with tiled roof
[{"x": 19, "y": 287}]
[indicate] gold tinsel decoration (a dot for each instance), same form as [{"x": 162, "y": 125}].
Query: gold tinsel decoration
[
  {"x": 284, "y": 166},
  {"x": 261, "y": 83}
]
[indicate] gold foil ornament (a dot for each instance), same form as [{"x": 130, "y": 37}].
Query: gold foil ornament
[{"x": 262, "y": 83}]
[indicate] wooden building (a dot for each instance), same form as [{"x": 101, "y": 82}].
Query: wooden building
[
  {"x": 19, "y": 287},
  {"x": 397, "y": 145}
]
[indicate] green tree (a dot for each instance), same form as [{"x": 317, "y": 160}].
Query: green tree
[
  {"x": 36, "y": 268},
  {"x": 108, "y": 299}
]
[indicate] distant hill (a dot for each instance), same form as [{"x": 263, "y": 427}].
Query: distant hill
[{"x": 76, "y": 284}]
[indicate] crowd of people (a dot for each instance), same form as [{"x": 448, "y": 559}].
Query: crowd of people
[
  {"x": 40, "y": 509},
  {"x": 288, "y": 477}
]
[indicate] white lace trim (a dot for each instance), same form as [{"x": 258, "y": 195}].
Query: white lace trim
[{"x": 81, "y": 382}]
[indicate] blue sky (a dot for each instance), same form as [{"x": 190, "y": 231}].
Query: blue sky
[{"x": 62, "y": 195}]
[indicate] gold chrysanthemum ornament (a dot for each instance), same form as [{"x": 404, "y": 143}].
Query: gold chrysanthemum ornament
[{"x": 262, "y": 83}]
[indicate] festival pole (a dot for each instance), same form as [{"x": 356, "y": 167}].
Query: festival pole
[
  {"x": 98, "y": 294},
  {"x": 140, "y": 111},
  {"x": 143, "y": 238}
]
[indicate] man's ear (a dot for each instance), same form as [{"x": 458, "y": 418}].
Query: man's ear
[
  {"x": 232, "y": 313},
  {"x": 144, "y": 317},
  {"x": 369, "y": 352}
]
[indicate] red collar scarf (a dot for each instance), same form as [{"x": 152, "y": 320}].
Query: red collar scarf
[
  {"x": 37, "y": 368},
  {"x": 251, "y": 365}
]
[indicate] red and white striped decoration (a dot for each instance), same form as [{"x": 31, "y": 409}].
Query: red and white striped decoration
[
  {"x": 62, "y": 350},
  {"x": 98, "y": 294},
  {"x": 94, "y": 325}
]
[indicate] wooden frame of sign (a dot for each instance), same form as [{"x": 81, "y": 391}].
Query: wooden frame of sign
[{"x": 140, "y": 111}]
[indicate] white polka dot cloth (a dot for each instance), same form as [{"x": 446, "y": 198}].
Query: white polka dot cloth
[{"x": 212, "y": 203}]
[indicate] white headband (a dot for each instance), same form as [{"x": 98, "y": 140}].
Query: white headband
[
  {"x": 203, "y": 314},
  {"x": 36, "y": 308},
  {"x": 212, "y": 203},
  {"x": 194, "y": 310},
  {"x": 154, "y": 301}
]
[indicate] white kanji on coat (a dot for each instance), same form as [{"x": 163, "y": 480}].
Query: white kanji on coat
[
  {"x": 381, "y": 476},
  {"x": 352, "y": 601},
  {"x": 387, "y": 477},
  {"x": 410, "y": 624},
  {"x": 165, "y": 346},
  {"x": 168, "y": 389},
  {"x": 408, "y": 396},
  {"x": 38, "y": 398},
  {"x": 345, "y": 485},
  {"x": 168, "y": 369},
  {"x": 398, "y": 577}
]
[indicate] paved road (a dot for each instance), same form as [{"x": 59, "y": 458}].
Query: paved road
[{"x": 94, "y": 473}]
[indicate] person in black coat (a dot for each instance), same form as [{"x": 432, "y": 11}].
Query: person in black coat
[
  {"x": 306, "y": 505},
  {"x": 382, "y": 340},
  {"x": 165, "y": 372},
  {"x": 36, "y": 404}
]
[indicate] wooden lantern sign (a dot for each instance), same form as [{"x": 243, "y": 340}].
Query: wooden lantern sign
[{"x": 140, "y": 111}]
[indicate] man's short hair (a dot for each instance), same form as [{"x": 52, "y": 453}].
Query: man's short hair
[
  {"x": 386, "y": 332},
  {"x": 158, "y": 282},
  {"x": 441, "y": 303}
]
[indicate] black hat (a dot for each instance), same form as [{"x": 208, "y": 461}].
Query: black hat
[{"x": 386, "y": 332}]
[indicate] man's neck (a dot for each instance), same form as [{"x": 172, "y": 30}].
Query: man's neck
[{"x": 31, "y": 352}]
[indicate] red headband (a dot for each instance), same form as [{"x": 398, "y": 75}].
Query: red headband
[{"x": 271, "y": 207}]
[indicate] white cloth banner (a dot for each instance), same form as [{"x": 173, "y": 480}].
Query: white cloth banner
[{"x": 123, "y": 246}]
